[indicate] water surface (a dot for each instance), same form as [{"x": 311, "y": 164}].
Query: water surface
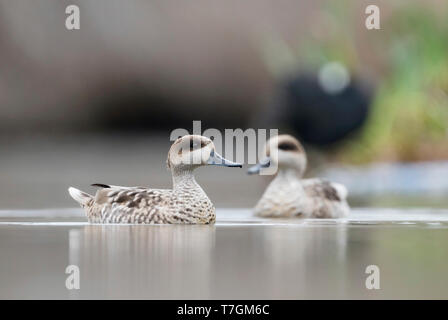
[{"x": 240, "y": 257}]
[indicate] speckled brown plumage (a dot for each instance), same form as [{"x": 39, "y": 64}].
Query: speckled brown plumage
[
  {"x": 189, "y": 204},
  {"x": 322, "y": 189}
]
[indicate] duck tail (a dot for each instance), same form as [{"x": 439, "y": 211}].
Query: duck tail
[
  {"x": 81, "y": 197},
  {"x": 341, "y": 190}
]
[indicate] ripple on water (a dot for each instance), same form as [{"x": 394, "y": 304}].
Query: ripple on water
[{"x": 431, "y": 218}]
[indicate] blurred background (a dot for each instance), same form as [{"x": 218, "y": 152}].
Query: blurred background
[{"x": 97, "y": 105}]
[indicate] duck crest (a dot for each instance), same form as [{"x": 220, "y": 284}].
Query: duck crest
[{"x": 186, "y": 203}]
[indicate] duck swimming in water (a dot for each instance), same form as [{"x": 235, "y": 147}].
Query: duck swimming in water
[
  {"x": 288, "y": 195},
  {"x": 186, "y": 203}
]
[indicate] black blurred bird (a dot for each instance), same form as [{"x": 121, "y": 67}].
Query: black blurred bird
[{"x": 320, "y": 110}]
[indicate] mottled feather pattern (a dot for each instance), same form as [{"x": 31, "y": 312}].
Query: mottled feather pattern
[
  {"x": 304, "y": 198},
  {"x": 321, "y": 189},
  {"x": 189, "y": 204}
]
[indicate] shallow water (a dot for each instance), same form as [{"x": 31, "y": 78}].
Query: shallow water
[{"x": 239, "y": 257}]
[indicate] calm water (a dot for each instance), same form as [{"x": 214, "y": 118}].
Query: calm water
[{"x": 240, "y": 257}]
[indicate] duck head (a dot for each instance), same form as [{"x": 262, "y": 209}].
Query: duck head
[
  {"x": 285, "y": 152},
  {"x": 192, "y": 151}
]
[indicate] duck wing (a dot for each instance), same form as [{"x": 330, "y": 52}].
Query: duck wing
[
  {"x": 131, "y": 204},
  {"x": 317, "y": 188},
  {"x": 328, "y": 199},
  {"x": 100, "y": 185}
]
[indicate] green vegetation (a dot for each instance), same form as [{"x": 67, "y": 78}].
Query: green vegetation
[{"x": 409, "y": 114}]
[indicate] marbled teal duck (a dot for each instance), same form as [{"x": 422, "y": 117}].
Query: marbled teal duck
[
  {"x": 288, "y": 195},
  {"x": 186, "y": 203}
]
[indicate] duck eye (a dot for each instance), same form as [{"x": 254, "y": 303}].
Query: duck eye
[
  {"x": 287, "y": 146},
  {"x": 194, "y": 145}
]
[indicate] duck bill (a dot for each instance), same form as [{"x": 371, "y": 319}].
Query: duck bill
[
  {"x": 217, "y": 160},
  {"x": 265, "y": 163}
]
